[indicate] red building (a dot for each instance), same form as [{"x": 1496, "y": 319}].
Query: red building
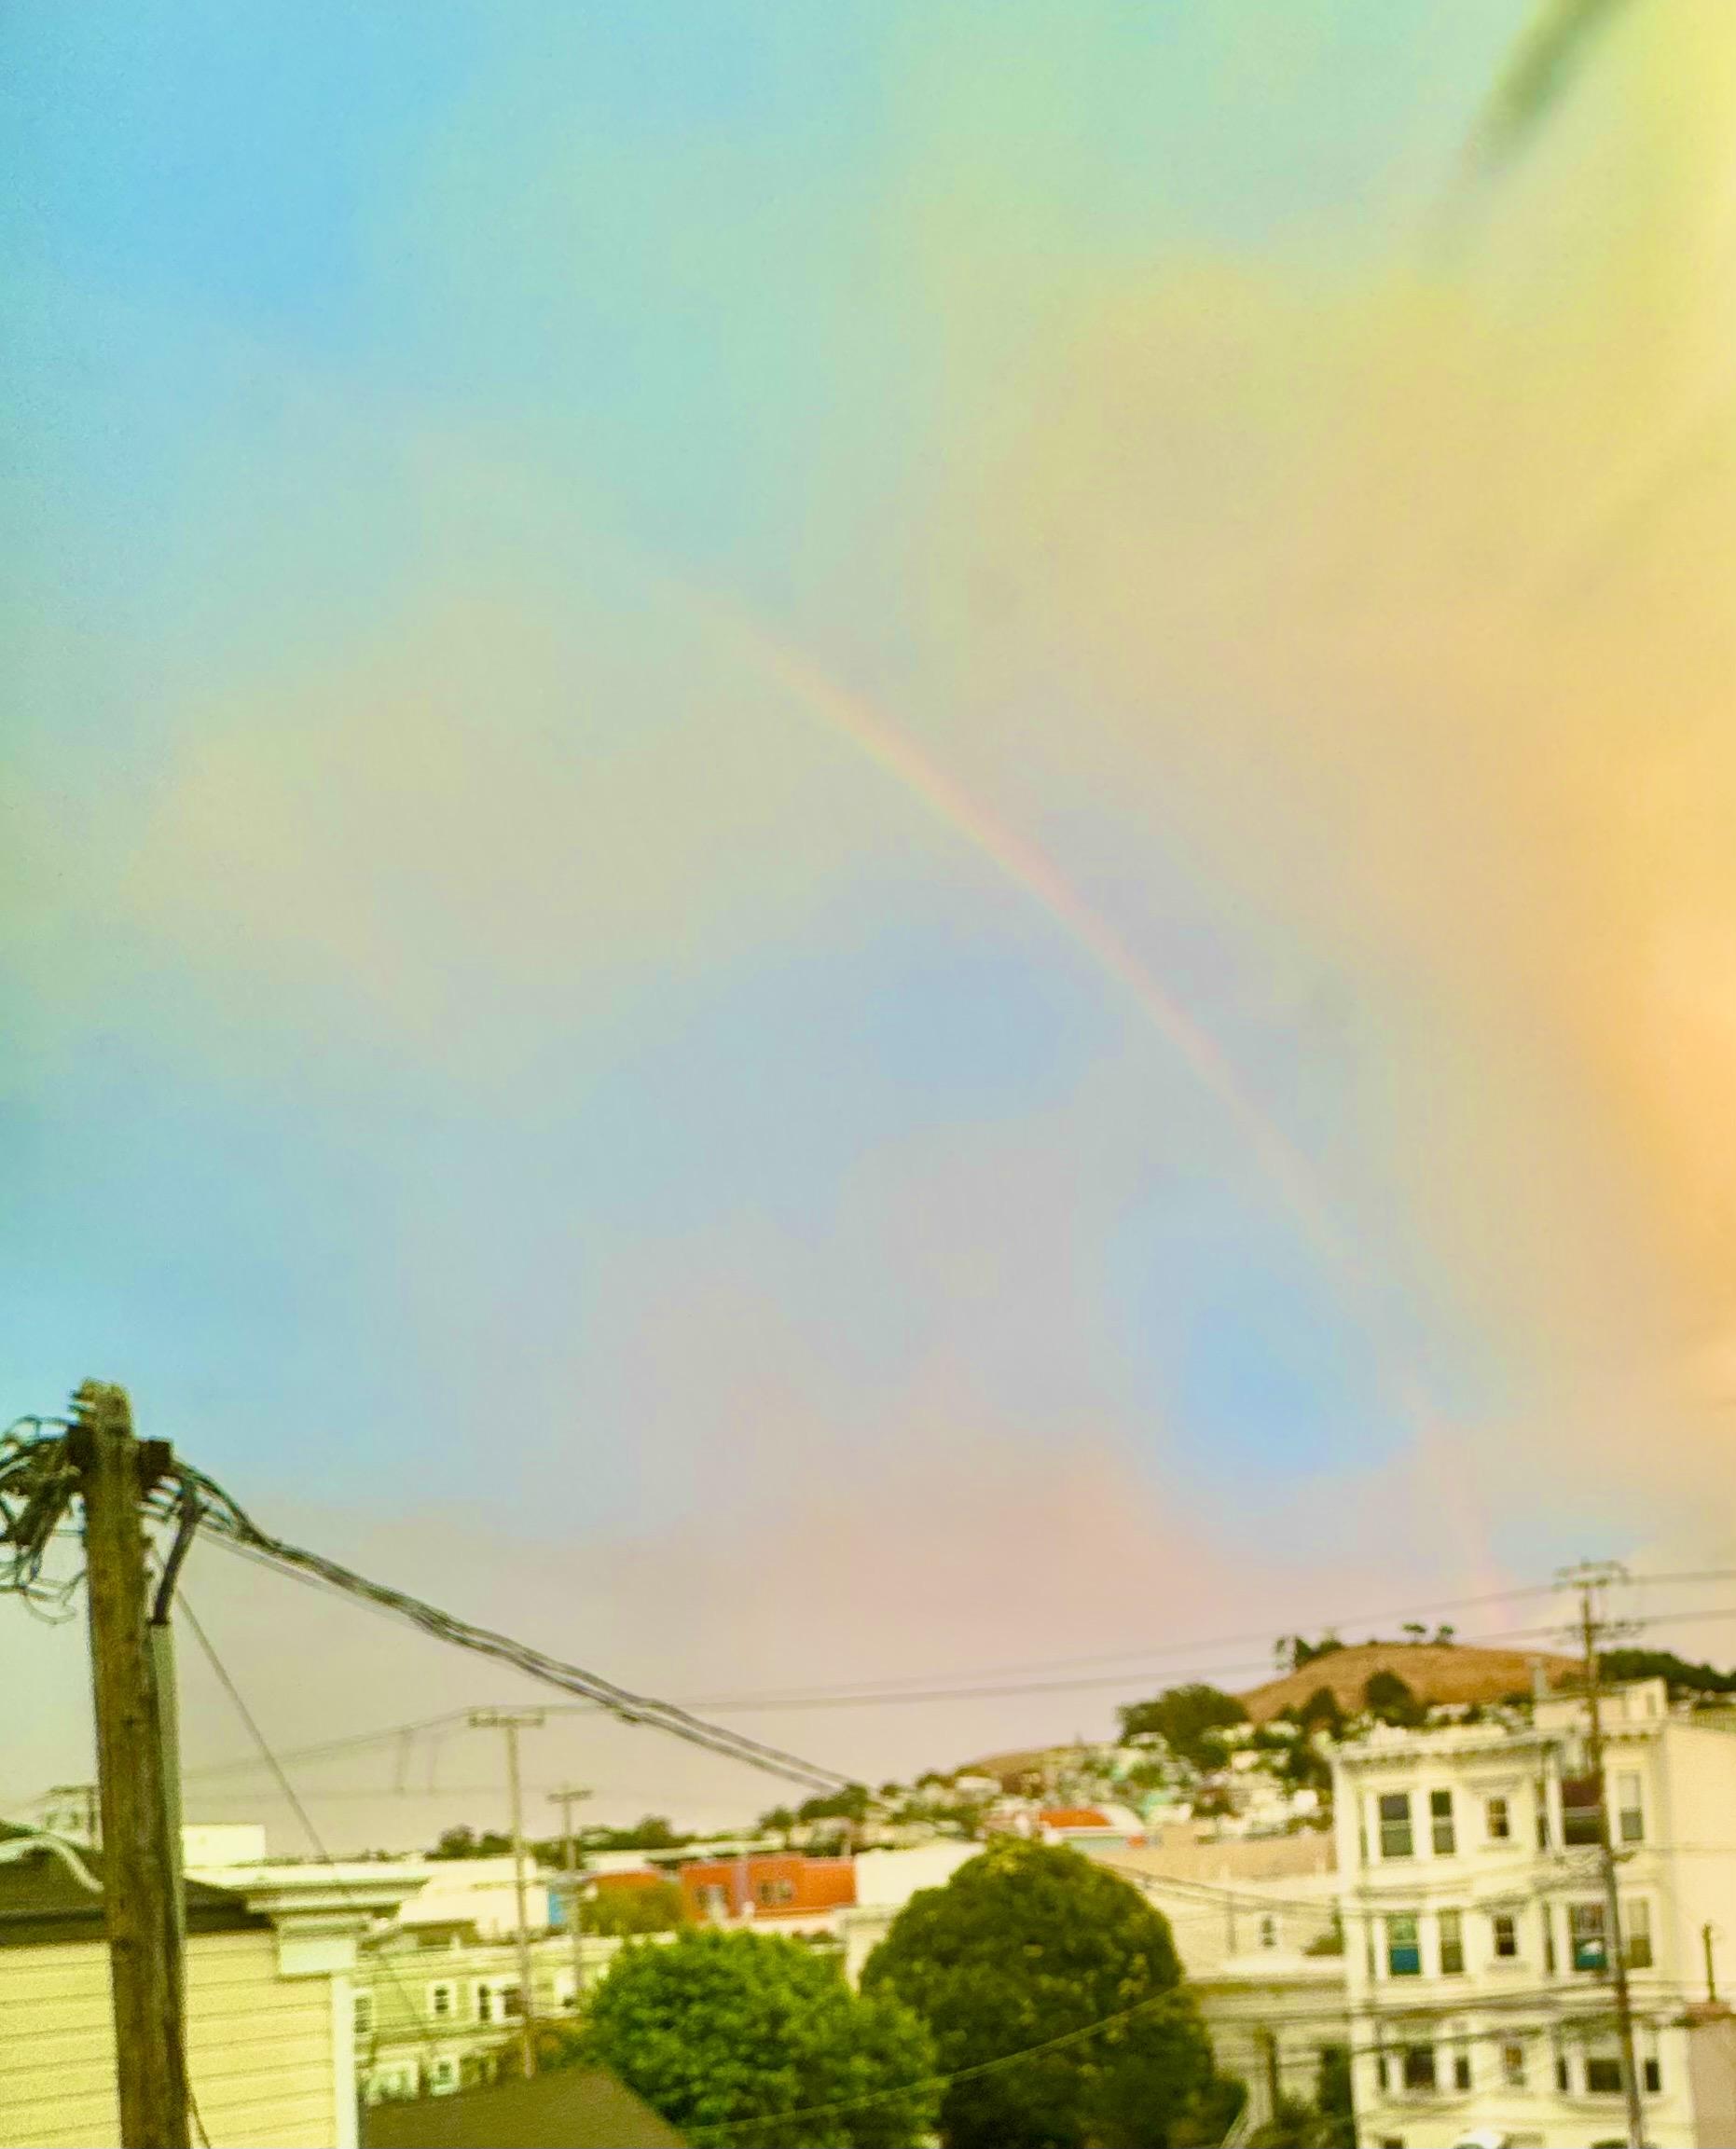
[{"x": 783, "y": 1884}]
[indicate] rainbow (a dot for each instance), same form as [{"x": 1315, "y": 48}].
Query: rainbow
[{"x": 850, "y": 716}]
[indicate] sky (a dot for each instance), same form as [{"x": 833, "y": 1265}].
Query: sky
[{"x": 842, "y": 844}]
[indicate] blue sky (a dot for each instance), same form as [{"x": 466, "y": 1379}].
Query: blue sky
[{"x": 481, "y": 1043}]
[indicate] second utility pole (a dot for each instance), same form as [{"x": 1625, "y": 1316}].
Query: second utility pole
[
  {"x": 566, "y": 1798},
  {"x": 511, "y": 1721},
  {"x": 1587, "y": 1580}
]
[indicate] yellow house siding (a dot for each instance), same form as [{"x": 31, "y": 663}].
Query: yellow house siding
[{"x": 259, "y": 2047}]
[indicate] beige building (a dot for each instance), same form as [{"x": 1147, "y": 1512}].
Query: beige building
[{"x": 269, "y": 2046}]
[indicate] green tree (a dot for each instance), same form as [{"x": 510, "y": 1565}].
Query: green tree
[
  {"x": 622, "y": 1911},
  {"x": 1333, "y": 2099},
  {"x": 1684, "y": 1677},
  {"x": 780, "y": 1822},
  {"x": 1321, "y": 1712},
  {"x": 466, "y": 1843},
  {"x": 1186, "y": 1719},
  {"x": 1328, "y": 2123},
  {"x": 852, "y": 1803},
  {"x": 1386, "y": 1696},
  {"x": 1026, "y": 1943},
  {"x": 716, "y": 2028}
]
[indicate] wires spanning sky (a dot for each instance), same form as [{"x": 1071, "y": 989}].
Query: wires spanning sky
[{"x": 847, "y": 838}]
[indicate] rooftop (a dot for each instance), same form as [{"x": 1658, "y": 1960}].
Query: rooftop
[{"x": 578, "y": 2107}]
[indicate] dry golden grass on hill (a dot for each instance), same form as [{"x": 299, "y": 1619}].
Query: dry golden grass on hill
[{"x": 1433, "y": 1672}]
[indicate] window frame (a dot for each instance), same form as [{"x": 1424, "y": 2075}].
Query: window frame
[
  {"x": 1626, "y": 1812},
  {"x": 1498, "y": 1802},
  {"x": 1419, "y": 2071},
  {"x": 1413, "y": 1948},
  {"x": 1636, "y": 1934},
  {"x": 1588, "y": 1928},
  {"x": 1513, "y": 2068},
  {"x": 1450, "y": 1940},
  {"x": 362, "y": 2013},
  {"x": 1395, "y": 1828},
  {"x": 1509, "y": 1921},
  {"x": 435, "y": 2012},
  {"x": 1444, "y": 1831}
]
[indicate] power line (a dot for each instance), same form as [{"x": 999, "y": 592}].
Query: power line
[
  {"x": 230, "y": 1526},
  {"x": 821, "y": 1697},
  {"x": 300, "y": 1811}
]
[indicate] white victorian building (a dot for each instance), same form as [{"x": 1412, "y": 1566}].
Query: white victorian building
[{"x": 1477, "y": 1960}]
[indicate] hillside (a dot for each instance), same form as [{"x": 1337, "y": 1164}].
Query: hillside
[{"x": 1433, "y": 1673}]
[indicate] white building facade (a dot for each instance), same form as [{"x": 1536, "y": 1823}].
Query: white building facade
[{"x": 1477, "y": 1961}]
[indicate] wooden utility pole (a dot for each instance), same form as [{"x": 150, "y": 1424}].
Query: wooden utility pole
[
  {"x": 569, "y": 1796},
  {"x": 138, "y": 1861},
  {"x": 1588, "y": 1581},
  {"x": 511, "y": 1721},
  {"x": 1708, "y": 1934}
]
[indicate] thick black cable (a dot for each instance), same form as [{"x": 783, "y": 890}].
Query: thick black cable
[{"x": 229, "y": 1525}]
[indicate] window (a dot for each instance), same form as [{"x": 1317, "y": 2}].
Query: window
[
  {"x": 1547, "y": 1917},
  {"x": 1419, "y": 2066},
  {"x": 443, "y": 2077},
  {"x": 1636, "y": 1933},
  {"x": 1461, "y": 2070},
  {"x": 1652, "y": 2074},
  {"x": 1268, "y": 1931},
  {"x": 1497, "y": 1821},
  {"x": 1441, "y": 1823},
  {"x": 1395, "y": 1825},
  {"x": 1543, "y": 1814},
  {"x": 1380, "y": 2069},
  {"x": 1586, "y": 1937},
  {"x": 442, "y": 2001},
  {"x": 1450, "y": 1926},
  {"x": 770, "y": 1891},
  {"x": 1404, "y": 1952},
  {"x": 1513, "y": 2066},
  {"x": 501, "y": 2002},
  {"x": 1503, "y": 1933},
  {"x": 1630, "y": 1813},
  {"x": 1602, "y": 2077},
  {"x": 1582, "y": 1812},
  {"x": 364, "y": 2008},
  {"x": 1562, "y": 2081}
]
